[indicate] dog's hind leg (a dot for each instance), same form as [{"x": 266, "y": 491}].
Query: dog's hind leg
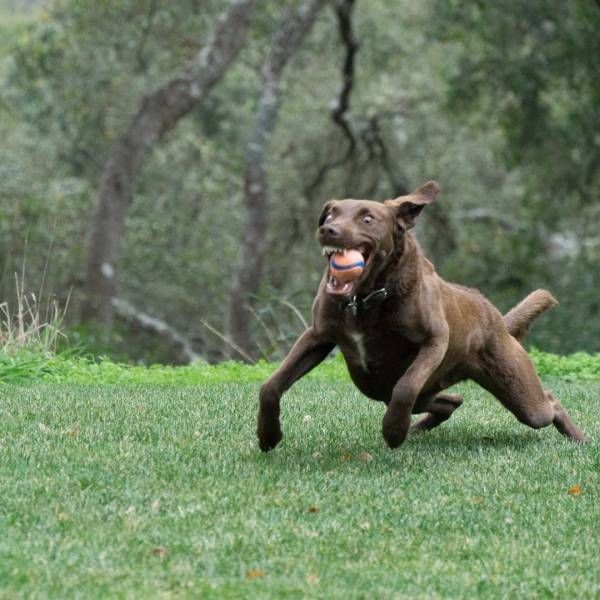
[
  {"x": 509, "y": 375},
  {"x": 562, "y": 421},
  {"x": 440, "y": 408}
]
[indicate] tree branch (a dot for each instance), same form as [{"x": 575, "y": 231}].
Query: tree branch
[
  {"x": 485, "y": 215},
  {"x": 341, "y": 106},
  {"x": 344, "y": 11},
  {"x": 374, "y": 138},
  {"x": 145, "y": 322}
]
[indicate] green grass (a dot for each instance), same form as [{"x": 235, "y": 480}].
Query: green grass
[{"x": 144, "y": 491}]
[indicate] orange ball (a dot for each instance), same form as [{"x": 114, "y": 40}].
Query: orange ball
[{"x": 348, "y": 266}]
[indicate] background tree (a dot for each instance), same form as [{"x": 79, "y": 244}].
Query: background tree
[
  {"x": 158, "y": 113},
  {"x": 248, "y": 273}
]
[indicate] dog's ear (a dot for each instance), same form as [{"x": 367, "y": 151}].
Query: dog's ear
[
  {"x": 326, "y": 208},
  {"x": 408, "y": 208}
]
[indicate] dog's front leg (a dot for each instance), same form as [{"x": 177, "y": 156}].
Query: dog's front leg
[
  {"x": 396, "y": 421},
  {"x": 308, "y": 351}
]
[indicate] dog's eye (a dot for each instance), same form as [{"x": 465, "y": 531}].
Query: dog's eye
[
  {"x": 368, "y": 219},
  {"x": 328, "y": 218}
]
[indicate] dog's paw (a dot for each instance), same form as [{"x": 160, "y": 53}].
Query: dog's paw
[
  {"x": 267, "y": 440},
  {"x": 393, "y": 433},
  {"x": 269, "y": 434},
  {"x": 393, "y": 439},
  {"x": 425, "y": 424}
]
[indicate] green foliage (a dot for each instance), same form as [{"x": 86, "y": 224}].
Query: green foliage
[
  {"x": 498, "y": 101},
  {"x": 31, "y": 366},
  {"x": 142, "y": 491},
  {"x": 25, "y": 366},
  {"x": 575, "y": 367},
  {"x": 79, "y": 77},
  {"x": 528, "y": 70},
  {"x": 544, "y": 90},
  {"x": 41, "y": 204}
]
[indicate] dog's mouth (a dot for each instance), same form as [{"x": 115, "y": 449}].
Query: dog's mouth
[{"x": 343, "y": 280}]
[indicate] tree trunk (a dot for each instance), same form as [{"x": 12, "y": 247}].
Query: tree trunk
[
  {"x": 247, "y": 275},
  {"x": 158, "y": 113}
]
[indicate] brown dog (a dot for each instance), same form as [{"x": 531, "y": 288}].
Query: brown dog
[{"x": 406, "y": 334}]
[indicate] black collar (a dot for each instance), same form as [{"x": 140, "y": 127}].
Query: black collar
[{"x": 355, "y": 303}]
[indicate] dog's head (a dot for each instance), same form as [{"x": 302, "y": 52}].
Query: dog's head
[{"x": 375, "y": 229}]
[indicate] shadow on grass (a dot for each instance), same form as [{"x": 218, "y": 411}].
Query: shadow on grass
[
  {"x": 436, "y": 448},
  {"x": 467, "y": 438}
]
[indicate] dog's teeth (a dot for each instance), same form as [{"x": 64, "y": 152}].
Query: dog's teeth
[{"x": 328, "y": 250}]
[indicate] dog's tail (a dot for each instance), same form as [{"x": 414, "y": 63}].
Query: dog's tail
[{"x": 519, "y": 318}]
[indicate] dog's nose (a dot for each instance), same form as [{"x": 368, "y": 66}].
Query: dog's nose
[{"x": 329, "y": 230}]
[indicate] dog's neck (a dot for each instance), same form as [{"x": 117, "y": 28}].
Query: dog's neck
[{"x": 401, "y": 270}]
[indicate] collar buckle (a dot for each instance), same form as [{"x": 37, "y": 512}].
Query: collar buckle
[
  {"x": 367, "y": 302},
  {"x": 353, "y": 305}
]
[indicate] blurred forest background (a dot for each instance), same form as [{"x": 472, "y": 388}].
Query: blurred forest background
[{"x": 163, "y": 164}]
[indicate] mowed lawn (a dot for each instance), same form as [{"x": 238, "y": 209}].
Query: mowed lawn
[{"x": 160, "y": 491}]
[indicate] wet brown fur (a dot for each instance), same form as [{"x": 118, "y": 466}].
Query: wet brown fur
[{"x": 426, "y": 336}]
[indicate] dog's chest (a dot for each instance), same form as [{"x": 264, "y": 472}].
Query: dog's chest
[
  {"x": 363, "y": 348},
  {"x": 357, "y": 340},
  {"x": 376, "y": 356}
]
